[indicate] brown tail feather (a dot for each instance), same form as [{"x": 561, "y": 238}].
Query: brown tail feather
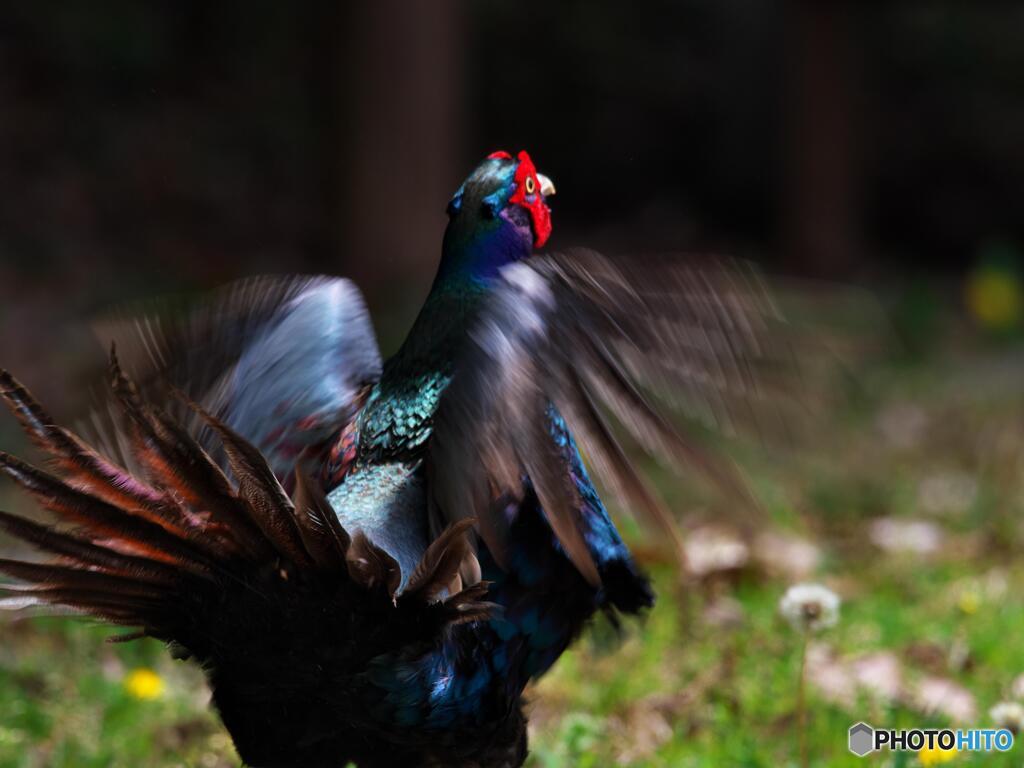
[
  {"x": 83, "y": 467},
  {"x": 270, "y": 508},
  {"x": 103, "y": 519},
  {"x": 70, "y": 577},
  {"x": 322, "y": 534},
  {"x": 176, "y": 462},
  {"x": 87, "y": 554}
]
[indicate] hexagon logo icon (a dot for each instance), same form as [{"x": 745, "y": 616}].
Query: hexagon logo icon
[{"x": 862, "y": 739}]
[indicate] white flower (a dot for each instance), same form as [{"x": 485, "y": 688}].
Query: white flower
[
  {"x": 724, "y": 612},
  {"x": 906, "y": 535},
  {"x": 810, "y": 607},
  {"x": 1008, "y": 714},
  {"x": 787, "y": 554},
  {"x": 937, "y": 696},
  {"x": 841, "y": 679},
  {"x": 709, "y": 551},
  {"x": 1017, "y": 688}
]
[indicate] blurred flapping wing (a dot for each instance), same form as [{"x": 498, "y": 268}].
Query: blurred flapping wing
[
  {"x": 282, "y": 360},
  {"x": 594, "y": 339}
]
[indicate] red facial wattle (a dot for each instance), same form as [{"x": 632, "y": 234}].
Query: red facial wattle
[{"x": 527, "y": 193}]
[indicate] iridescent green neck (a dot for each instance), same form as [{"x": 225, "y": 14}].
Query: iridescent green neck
[{"x": 398, "y": 416}]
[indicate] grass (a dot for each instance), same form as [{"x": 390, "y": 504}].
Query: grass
[
  {"x": 709, "y": 677},
  {"x": 64, "y": 702}
]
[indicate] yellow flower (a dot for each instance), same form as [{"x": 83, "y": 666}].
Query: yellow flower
[
  {"x": 995, "y": 298},
  {"x": 144, "y": 684},
  {"x": 935, "y": 756},
  {"x": 969, "y": 602}
]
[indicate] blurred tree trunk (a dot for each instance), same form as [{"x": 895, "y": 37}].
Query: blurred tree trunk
[
  {"x": 821, "y": 213},
  {"x": 403, "y": 81}
]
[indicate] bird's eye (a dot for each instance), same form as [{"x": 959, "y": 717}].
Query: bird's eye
[{"x": 531, "y": 185}]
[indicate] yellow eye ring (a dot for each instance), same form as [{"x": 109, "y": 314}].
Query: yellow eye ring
[{"x": 531, "y": 185}]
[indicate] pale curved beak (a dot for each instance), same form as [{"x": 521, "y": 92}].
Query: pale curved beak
[{"x": 547, "y": 186}]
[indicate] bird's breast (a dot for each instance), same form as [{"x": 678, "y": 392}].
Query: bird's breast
[{"x": 387, "y": 502}]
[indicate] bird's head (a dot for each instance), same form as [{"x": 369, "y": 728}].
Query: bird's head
[{"x": 498, "y": 215}]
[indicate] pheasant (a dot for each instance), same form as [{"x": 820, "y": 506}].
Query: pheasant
[{"x": 369, "y": 560}]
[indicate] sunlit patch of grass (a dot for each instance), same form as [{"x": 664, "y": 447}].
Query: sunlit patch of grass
[
  {"x": 730, "y": 699},
  {"x": 956, "y": 613},
  {"x": 67, "y": 698}
]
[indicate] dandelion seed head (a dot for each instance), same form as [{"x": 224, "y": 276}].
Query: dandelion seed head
[
  {"x": 810, "y": 607},
  {"x": 1017, "y": 687},
  {"x": 1009, "y": 715}
]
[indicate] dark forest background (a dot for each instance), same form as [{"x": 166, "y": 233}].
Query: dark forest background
[{"x": 165, "y": 147}]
